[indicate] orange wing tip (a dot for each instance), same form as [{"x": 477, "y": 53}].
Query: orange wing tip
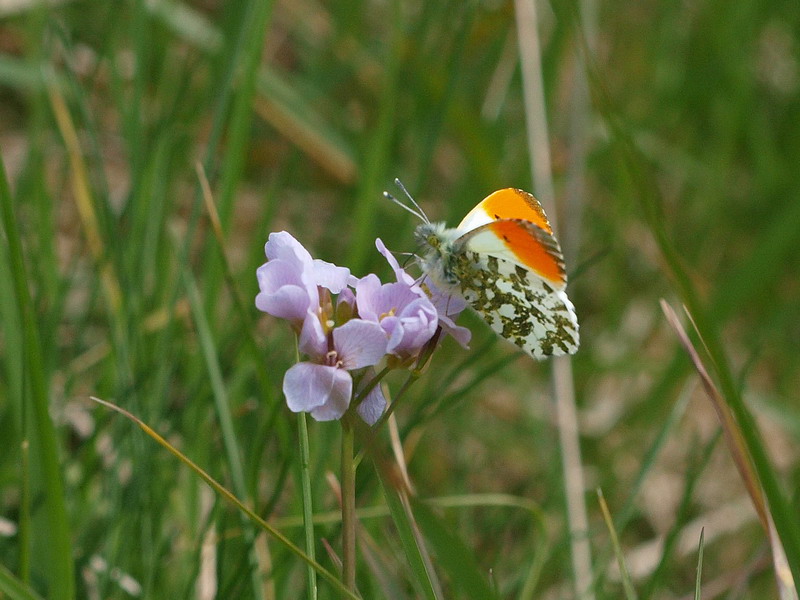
[
  {"x": 531, "y": 249},
  {"x": 513, "y": 203}
]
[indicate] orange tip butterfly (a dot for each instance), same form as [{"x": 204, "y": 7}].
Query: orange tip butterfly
[{"x": 504, "y": 260}]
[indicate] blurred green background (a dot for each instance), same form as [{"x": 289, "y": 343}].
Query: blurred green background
[{"x": 300, "y": 114}]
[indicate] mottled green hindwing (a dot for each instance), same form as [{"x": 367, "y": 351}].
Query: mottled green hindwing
[{"x": 517, "y": 304}]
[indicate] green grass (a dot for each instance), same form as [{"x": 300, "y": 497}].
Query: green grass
[{"x": 115, "y": 283}]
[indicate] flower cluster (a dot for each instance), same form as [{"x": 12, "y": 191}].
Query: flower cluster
[{"x": 345, "y": 337}]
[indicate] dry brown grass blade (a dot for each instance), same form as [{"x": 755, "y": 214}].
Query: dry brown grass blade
[
  {"x": 563, "y": 384},
  {"x": 730, "y": 429},
  {"x": 738, "y": 449},
  {"x": 321, "y": 150},
  {"x": 83, "y": 198},
  {"x": 232, "y": 499}
]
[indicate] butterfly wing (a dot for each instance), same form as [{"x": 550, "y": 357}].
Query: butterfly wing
[
  {"x": 512, "y": 273},
  {"x": 508, "y": 203},
  {"x": 522, "y": 243}
]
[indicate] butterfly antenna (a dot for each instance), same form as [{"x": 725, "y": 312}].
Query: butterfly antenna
[
  {"x": 421, "y": 212},
  {"x": 420, "y": 216},
  {"x": 408, "y": 257}
]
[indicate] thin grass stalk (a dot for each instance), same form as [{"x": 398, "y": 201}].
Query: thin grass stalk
[
  {"x": 308, "y": 506},
  {"x": 244, "y": 314},
  {"x": 239, "y": 125},
  {"x": 223, "y": 89},
  {"x": 85, "y": 203},
  {"x": 627, "y": 584},
  {"x": 25, "y": 506},
  {"x": 579, "y": 126},
  {"x": 563, "y": 388},
  {"x": 737, "y": 447},
  {"x": 699, "y": 579},
  {"x": 380, "y": 511},
  {"x": 348, "y": 467}
]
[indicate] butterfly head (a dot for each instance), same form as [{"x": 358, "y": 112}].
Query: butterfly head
[{"x": 438, "y": 250}]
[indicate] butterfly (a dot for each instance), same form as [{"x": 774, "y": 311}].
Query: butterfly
[{"x": 504, "y": 260}]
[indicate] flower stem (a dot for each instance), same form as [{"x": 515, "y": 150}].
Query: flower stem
[
  {"x": 308, "y": 513},
  {"x": 348, "y": 505}
]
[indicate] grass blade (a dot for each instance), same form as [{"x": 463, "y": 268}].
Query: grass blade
[
  {"x": 85, "y": 202},
  {"x": 738, "y": 448},
  {"x": 239, "y": 126},
  {"x": 697, "y": 594},
  {"x": 222, "y": 404},
  {"x": 232, "y": 499},
  {"x": 420, "y": 565},
  {"x": 453, "y": 556},
  {"x": 562, "y": 375},
  {"x": 308, "y": 506},
  {"x": 376, "y": 152},
  {"x": 627, "y": 584},
  {"x": 278, "y": 103},
  {"x": 13, "y": 588},
  {"x": 783, "y": 574},
  {"x": 60, "y": 572},
  {"x": 730, "y": 429}
]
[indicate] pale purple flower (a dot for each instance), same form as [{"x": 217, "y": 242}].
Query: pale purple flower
[
  {"x": 399, "y": 272},
  {"x": 374, "y": 403},
  {"x": 447, "y": 306},
  {"x": 289, "y": 282},
  {"x": 323, "y": 386},
  {"x": 403, "y": 312},
  {"x": 366, "y": 322}
]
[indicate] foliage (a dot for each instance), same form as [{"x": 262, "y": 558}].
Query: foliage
[{"x": 300, "y": 114}]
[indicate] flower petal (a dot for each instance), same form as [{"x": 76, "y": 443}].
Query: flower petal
[
  {"x": 445, "y": 302},
  {"x": 341, "y": 392},
  {"x": 416, "y": 325},
  {"x": 449, "y": 307},
  {"x": 323, "y": 391},
  {"x": 359, "y": 343},
  {"x": 367, "y": 290},
  {"x": 345, "y": 305},
  {"x": 460, "y": 334},
  {"x": 283, "y": 291},
  {"x": 282, "y": 245},
  {"x": 313, "y": 340},
  {"x": 373, "y": 405},
  {"x": 346, "y": 296},
  {"x": 399, "y": 272},
  {"x": 289, "y": 302},
  {"x": 331, "y": 277}
]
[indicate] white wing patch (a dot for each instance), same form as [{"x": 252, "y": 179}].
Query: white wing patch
[
  {"x": 475, "y": 218},
  {"x": 483, "y": 240}
]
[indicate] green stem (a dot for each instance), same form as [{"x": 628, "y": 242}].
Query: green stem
[
  {"x": 308, "y": 506},
  {"x": 348, "y": 505},
  {"x": 308, "y": 513},
  {"x": 25, "y": 515}
]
